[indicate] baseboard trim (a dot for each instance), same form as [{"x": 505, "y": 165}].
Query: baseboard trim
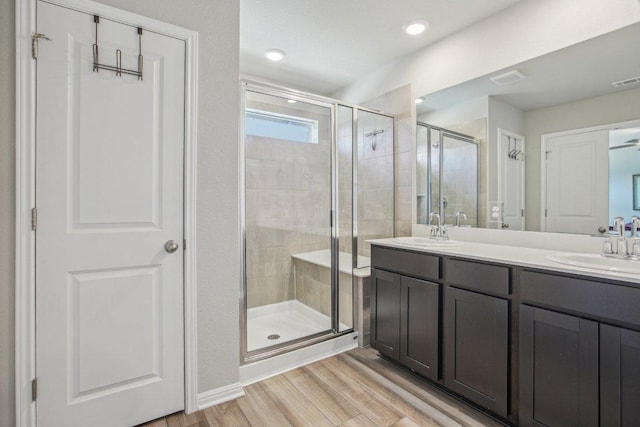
[{"x": 219, "y": 395}]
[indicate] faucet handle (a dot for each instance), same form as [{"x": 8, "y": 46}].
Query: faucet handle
[
  {"x": 619, "y": 226},
  {"x": 635, "y": 225},
  {"x": 431, "y": 215},
  {"x": 607, "y": 247},
  {"x": 459, "y": 215},
  {"x": 622, "y": 247},
  {"x": 444, "y": 233}
]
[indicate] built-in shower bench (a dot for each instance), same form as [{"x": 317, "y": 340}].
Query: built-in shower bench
[{"x": 312, "y": 284}]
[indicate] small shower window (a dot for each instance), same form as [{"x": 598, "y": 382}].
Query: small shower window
[{"x": 280, "y": 126}]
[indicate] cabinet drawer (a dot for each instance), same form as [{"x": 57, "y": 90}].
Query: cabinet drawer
[
  {"x": 481, "y": 277},
  {"x": 602, "y": 300},
  {"x": 408, "y": 263}
]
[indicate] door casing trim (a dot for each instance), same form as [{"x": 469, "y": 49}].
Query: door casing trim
[{"x": 25, "y": 340}]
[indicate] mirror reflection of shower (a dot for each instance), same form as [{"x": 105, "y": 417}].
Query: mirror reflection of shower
[{"x": 447, "y": 175}]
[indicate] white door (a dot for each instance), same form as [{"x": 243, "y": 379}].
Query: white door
[
  {"x": 511, "y": 167},
  {"x": 577, "y": 182},
  {"x": 109, "y": 297}
]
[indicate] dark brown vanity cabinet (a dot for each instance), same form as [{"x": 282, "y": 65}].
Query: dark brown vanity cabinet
[
  {"x": 476, "y": 348},
  {"x": 619, "y": 376},
  {"x": 476, "y": 333},
  {"x": 405, "y": 310},
  {"x": 385, "y": 313},
  {"x": 579, "y": 362},
  {"x": 558, "y": 369},
  {"x": 419, "y": 331},
  {"x": 537, "y": 347}
]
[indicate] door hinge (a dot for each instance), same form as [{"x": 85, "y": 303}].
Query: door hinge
[
  {"x": 184, "y": 245},
  {"x": 34, "y": 389},
  {"x": 545, "y": 213},
  {"x": 34, "y": 219},
  {"x": 34, "y": 43},
  {"x": 522, "y": 212},
  {"x": 546, "y": 155}
]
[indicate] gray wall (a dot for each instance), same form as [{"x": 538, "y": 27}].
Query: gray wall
[
  {"x": 601, "y": 110},
  {"x": 217, "y": 23},
  {"x": 7, "y": 208}
]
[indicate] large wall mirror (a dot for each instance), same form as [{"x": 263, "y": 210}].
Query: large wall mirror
[{"x": 558, "y": 137}]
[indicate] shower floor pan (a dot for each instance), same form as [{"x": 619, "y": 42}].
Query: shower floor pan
[{"x": 281, "y": 322}]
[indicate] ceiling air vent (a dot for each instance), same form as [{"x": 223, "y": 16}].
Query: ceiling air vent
[
  {"x": 508, "y": 78},
  {"x": 626, "y": 82}
]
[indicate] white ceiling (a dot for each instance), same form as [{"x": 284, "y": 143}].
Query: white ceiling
[
  {"x": 330, "y": 43},
  {"x": 584, "y": 70}
]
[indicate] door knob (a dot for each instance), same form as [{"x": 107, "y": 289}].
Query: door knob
[
  {"x": 505, "y": 225},
  {"x": 171, "y": 246},
  {"x": 602, "y": 230}
]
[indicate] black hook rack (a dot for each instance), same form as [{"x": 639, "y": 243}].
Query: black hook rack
[{"x": 118, "y": 67}]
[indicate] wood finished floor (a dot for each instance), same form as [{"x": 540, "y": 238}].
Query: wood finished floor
[{"x": 351, "y": 389}]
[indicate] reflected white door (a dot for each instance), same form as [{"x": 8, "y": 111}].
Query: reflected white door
[
  {"x": 109, "y": 297},
  {"x": 511, "y": 179},
  {"x": 577, "y": 182}
]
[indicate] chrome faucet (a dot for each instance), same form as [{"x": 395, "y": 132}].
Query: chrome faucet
[
  {"x": 438, "y": 231},
  {"x": 623, "y": 247},
  {"x": 459, "y": 215},
  {"x": 618, "y": 226},
  {"x": 635, "y": 225},
  {"x": 621, "y": 242},
  {"x": 635, "y": 237}
]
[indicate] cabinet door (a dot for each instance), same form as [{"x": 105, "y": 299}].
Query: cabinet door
[
  {"x": 419, "y": 317},
  {"x": 619, "y": 376},
  {"x": 558, "y": 369},
  {"x": 476, "y": 348},
  {"x": 385, "y": 313}
]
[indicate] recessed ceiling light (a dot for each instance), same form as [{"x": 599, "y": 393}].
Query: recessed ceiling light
[
  {"x": 291, "y": 101},
  {"x": 419, "y": 101},
  {"x": 414, "y": 28},
  {"x": 274, "y": 54}
]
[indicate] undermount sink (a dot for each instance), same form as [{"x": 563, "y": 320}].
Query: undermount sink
[
  {"x": 425, "y": 242},
  {"x": 598, "y": 262}
]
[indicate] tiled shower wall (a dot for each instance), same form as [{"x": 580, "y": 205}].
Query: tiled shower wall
[
  {"x": 399, "y": 102},
  {"x": 478, "y": 129},
  {"x": 287, "y": 206},
  {"x": 375, "y": 179},
  {"x": 460, "y": 181}
]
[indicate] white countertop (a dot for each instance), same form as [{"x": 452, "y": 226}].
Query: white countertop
[{"x": 514, "y": 255}]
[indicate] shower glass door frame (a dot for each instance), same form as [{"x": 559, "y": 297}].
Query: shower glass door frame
[{"x": 333, "y": 216}]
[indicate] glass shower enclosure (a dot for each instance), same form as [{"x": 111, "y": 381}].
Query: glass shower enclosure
[{"x": 302, "y": 159}]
